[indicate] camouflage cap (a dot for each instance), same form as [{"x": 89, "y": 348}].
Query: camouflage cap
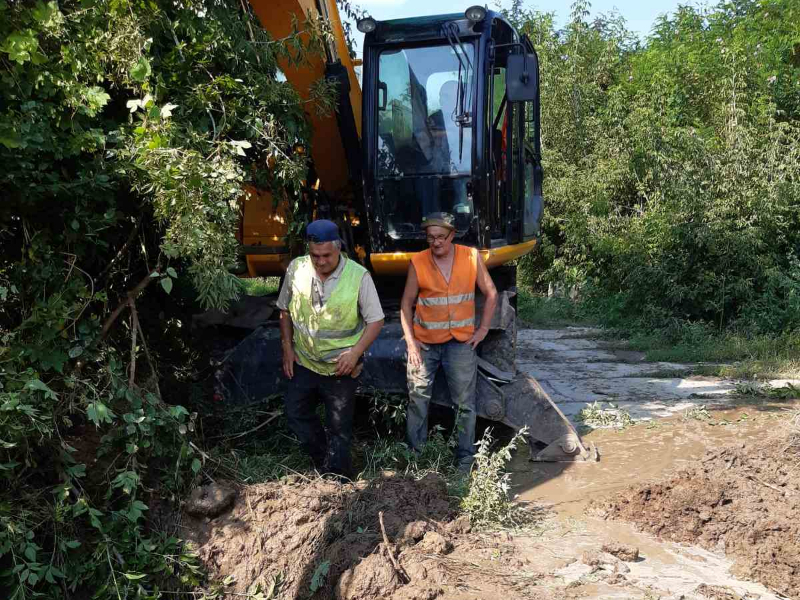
[{"x": 440, "y": 219}]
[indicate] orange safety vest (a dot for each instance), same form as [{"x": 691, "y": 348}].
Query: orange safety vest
[{"x": 446, "y": 310}]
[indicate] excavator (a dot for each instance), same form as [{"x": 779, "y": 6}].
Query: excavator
[{"x": 445, "y": 118}]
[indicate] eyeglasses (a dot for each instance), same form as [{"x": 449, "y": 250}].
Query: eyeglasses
[{"x": 437, "y": 238}]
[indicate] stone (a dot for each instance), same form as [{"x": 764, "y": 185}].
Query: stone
[
  {"x": 210, "y": 500},
  {"x": 622, "y": 551}
]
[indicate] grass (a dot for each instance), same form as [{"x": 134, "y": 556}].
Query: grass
[
  {"x": 550, "y": 313},
  {"x": 260, "y": 286},
  {"x": 742, "y": 356},
  {"x": 594, "y": 415},
  {"x": 732, "y": 353}
]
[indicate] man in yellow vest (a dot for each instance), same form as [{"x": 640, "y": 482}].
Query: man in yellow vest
[
  {"x": 330, "y": 314},
  {"x": 442, "y": 334}
]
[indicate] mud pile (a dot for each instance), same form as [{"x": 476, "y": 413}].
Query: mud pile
[
  {"x": 322, "y": 539},
  {"x": 742, "y": 499}
]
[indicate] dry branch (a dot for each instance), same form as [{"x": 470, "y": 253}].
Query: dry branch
[{"x": 401, "y": 574}]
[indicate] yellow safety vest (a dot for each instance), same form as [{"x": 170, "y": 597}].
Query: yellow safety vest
[{"x": 320, "y": 336}]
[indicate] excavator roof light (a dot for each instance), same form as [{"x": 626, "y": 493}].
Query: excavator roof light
[
  {"x": 476, "y": 13},
  {"x": 366, "y": 25}
]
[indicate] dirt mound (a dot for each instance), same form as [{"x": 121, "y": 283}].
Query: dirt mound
[
  {"x": 324, "y": 539},
  {"x": 743, "y": 499}
]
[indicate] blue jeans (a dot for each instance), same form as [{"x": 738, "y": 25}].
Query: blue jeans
[{"x": 460, "y": 365}]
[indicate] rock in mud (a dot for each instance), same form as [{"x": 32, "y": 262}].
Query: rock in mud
[
  {"x": 210, "y": 500},
  {"x": 716, "y": 592},
  {"x": 373, "y": 577},
  {"x": 601, "y": 560},
  {"x": 416, "y": 530},
  {"x": 622, "y": 551},
  {"x": 460, "y": 525},
  {"x": 434, "y": 543}
]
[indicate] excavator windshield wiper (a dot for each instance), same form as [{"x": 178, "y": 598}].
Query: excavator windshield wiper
[{"x": 463, "y": 103}]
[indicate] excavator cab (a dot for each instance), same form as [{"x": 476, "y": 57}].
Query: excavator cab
[{"x": 439, "y": 133}]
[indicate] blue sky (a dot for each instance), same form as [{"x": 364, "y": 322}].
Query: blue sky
[{"x": 639, "y": 14}]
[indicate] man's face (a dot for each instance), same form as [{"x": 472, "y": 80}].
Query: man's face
[
  {"x": 440, "y": 239},
  {"x": 324, "y": 256}
]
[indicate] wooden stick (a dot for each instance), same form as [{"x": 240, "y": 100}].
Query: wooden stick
[
  {"x": 134, "y": 331},
  {"x": 147, "y": 354},
  {"x": 401, "y": 574},
  {"x": 272, "y": 417},
  {"x": 769, "y": 485},
  {"x": 133, "y": 294}
]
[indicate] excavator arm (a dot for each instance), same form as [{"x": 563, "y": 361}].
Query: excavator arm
[{"x": 336, "y": 135}]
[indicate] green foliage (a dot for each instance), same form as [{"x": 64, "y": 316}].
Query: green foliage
[
  {"x": 387, "y": 412},
  {"x": 127, "y": 133},
  {"x": 487, "y": 501},
  {"x": 594, "y": 415},
  {"x": 83, "y": 525},
  {"x": 673, "y": 165},
  {"x": 260, "y": 286}
]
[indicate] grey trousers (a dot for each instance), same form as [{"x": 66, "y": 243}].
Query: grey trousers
[{"x": 460, "y": 365}]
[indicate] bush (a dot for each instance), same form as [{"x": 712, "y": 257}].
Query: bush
[
  {"x": 673, "y": 173},
  {"x": 487, "y": 501}
]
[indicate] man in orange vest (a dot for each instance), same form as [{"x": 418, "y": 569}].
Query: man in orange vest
[{"x": 442, "y": 334}]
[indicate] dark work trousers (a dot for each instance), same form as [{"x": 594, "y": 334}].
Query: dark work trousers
[{"x": 330, "y": 453}]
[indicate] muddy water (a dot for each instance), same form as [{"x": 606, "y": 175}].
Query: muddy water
[
  {"x": 644, "y": 452},
  {"x": 638, "y": 454}
]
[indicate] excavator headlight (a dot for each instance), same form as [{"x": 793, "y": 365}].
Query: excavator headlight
[
  {"x": 476, "y": 13},
  {"x": 366, "y": 25}
]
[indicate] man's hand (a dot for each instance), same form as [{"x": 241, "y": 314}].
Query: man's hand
[
  {"x": 288, "y": 361},
  {"x": 414, "y": 356},
  {"x": 346, "y": 362},
  {"x": 477, "y": 337}
]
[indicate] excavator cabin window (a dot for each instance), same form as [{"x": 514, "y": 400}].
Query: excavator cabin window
[{"x": 424, "y": 151}]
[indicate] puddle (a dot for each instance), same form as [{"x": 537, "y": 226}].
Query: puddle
[{"x": 644, "y": 452}]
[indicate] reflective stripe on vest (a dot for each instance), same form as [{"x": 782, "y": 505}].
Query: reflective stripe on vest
[
  {"x": 320, "y": 336},
  {"x": 446, "y": 310}
]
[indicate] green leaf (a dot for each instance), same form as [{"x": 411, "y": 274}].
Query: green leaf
[
  {"x": 20, "y": 46},
  {"x": 196, "y": 465},
  {"x": 99, "y": 413},
  {"x": 320, "y": 574},
  {"x": 166, "y": 283},
  {"x": 96, "y": 99},
  {"x": 30, "y": 552},
  {"x": 141, "y": 70},
  {"x": 10, "y": 142},
  {"x": 75, "y": 225},
  {"x": 135, "y": 576},
  {"x": 171, "y": 272},
  {"x": 134, "y": 105},
  {"x": 57, "y": 573},
  {"x": 36, "y": 384},
  {"x": 72, "y": 544}
]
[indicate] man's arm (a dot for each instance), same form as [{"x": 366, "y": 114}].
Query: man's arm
[
  {"x": 287, "y": 333},
  {"x": 486, "y": 285},
  {"x": 287, "y": 330},
  {"x": 410, "y": 294}
]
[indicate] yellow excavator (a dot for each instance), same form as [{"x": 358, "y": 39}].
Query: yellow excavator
[{"x": 446, "y": 119}]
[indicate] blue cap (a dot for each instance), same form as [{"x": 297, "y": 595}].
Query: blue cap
[{"x": 322, "y": 231}]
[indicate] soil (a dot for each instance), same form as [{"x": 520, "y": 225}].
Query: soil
[
  {"x": 323, "y": 539},
  {"x": 742, "y": 499}
]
